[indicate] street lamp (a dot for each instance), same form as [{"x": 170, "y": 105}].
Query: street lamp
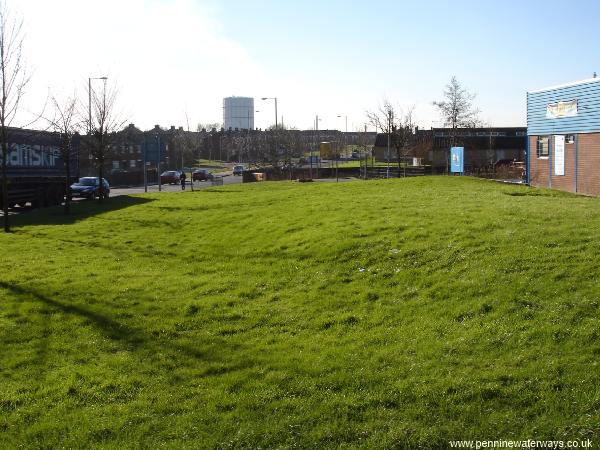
[
  {"x": 90, "y": 121},
  {"x": 158, "y": 162},
  {"x": 346, "y": 117},
  {"x": 345, "y": 146},
  {"x": 273, "y": 98},
  {"x": 90, "y": 99}
]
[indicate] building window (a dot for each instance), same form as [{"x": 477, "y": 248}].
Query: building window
[
  {"x": 570, "y": 139},
  {"x": 520, "y": 133},
  {"x": 132, "y": 163},
  {"x": 543, "y": 149}
]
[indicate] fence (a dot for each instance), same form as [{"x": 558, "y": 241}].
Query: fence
[
  {"x": 217, "y": 181},
  {"x": 370, "y": 168}
]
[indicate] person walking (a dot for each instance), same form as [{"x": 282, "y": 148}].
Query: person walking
[{"x": 182, "y": 178}]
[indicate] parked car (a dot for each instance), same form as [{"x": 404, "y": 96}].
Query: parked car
[
  {"x": 170, "y": 177},
  {"x": 237, "y": 170},
  {"x": 87, "y": 187},
  {"x": 202, "y": 175}
]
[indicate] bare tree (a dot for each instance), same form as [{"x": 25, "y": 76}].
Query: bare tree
[
  {"x": 403, "y": 136},
  {"x": 13, "y": 78},
  {"x": 208, "y": 126},
  {"x": 66, "y": 125},
  {"x": 457, "y": 108},
  {"x": 383, "y": 120},
  {"x": 102, "y": 124},
  {"x": 398, "y": 126},
  {"x": 457, "y": 111}
]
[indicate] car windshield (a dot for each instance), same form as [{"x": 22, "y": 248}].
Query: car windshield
[
  {"x": 88, "y": 181},
  {"x": 169, "y": 173},
  {"x": 239, "y": 167}
]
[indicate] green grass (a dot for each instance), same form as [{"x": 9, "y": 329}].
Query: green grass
[
  {"x": 382, "y": 314},
  {"x": 214, "y": 165}
]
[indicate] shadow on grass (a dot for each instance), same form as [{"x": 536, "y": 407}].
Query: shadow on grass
[
  {"x": 219, "y": 190},
  {"x": 80, "y": 210},
  {"x": 112, "y": 329}
]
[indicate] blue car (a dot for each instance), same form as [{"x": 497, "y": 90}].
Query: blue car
[{"x": 87, "y": 187}]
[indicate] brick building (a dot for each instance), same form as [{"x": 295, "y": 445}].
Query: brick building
[{"x": 564, "y": 137}]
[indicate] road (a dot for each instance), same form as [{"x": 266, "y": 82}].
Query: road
[
  {"x": 115, "y": 192},
  {"x": 227, "y": 179}
]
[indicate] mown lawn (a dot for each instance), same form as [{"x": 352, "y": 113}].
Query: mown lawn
[{"x": 383, "y": 314}]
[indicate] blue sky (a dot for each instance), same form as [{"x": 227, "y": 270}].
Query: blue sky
[{"x": 327, "y": 58}]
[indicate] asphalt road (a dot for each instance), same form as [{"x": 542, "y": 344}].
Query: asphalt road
[{"x": 227, "y": 179}]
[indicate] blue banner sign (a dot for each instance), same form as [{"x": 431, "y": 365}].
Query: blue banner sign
[
  {"x": 457, "y": 159},
  {"x": 151, "y": 147}
]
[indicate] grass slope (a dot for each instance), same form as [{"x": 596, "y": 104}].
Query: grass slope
[{"x": 370, "y": 314}]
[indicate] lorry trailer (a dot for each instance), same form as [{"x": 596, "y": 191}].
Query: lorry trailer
[{"x": 35, "y": 168}]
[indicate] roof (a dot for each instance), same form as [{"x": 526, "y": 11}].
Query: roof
[{"x": 559, "y": 86}]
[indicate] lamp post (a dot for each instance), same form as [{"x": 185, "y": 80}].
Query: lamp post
[
  {"x": 249, "y": 138},
  {"x": 90, "y": 99},
  {"x": 345, "y": 147},
  {"x": 158, "y": 162},
  {"x": 145, "y": 174},
  {"x": 317, "y": 120},
  {"x": 273, "y": 98},
  {"x": 90, "y": 121}
]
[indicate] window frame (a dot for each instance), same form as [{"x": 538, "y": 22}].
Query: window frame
[{"x": 539, "y": 150}]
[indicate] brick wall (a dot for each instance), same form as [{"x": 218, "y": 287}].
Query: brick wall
[
  {"x": 588, "y": 171},
  {"x": 565, "y": 182},
  {"x": 539, "y": 167},
  {"x": 588, "y": 179}
]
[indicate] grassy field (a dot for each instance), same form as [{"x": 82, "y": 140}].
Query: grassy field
[
  {"x": 214, "y": 165},
  {"x": 382, "y": 314}
]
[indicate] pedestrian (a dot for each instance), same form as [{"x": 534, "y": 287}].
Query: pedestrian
[{"x": 182, "y": 178}]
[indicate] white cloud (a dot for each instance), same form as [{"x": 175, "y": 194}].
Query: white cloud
[{"x": 166, "y": 57}]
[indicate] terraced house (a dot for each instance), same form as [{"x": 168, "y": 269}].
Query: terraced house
[{"x": 563, "y": 128}]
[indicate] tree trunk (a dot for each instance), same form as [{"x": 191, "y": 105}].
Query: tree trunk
[
  {"x": 68, "y": 183},
  {"x": 5, "y": 183},
  {"x": 100, "y": 176}
]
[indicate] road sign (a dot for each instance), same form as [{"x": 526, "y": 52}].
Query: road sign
[{"x": 457, "y": 161}]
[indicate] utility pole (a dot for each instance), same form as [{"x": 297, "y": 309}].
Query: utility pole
[
  {"x": 365, "y": 150},
  {"x": 317, "y": 143},
  {"x": 248, "y": 139},
  {"x": 158, "y": 162},
  {"x": 145, "y": 174},
  {"x": 311, "y": 157},
  {"x": 389, "y": 136},
  {"x": 220, "y": 146}
]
